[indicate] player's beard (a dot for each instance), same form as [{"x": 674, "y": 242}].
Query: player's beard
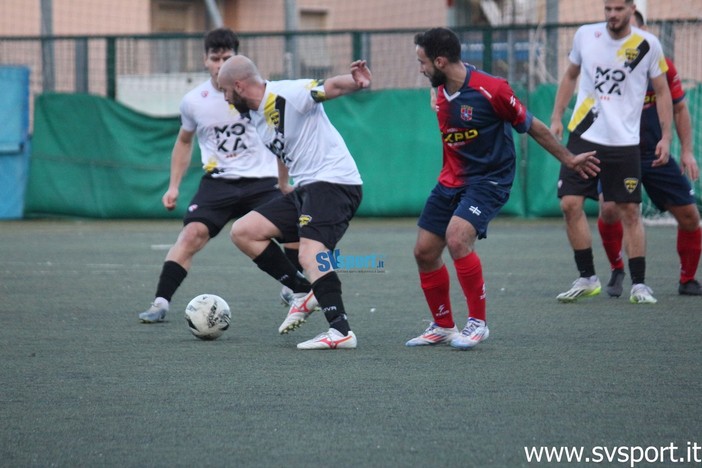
[
  {"x": 617, "y": 28},
  {"x": 240, "y": 105},
  {"x": 437, "y": 78}
]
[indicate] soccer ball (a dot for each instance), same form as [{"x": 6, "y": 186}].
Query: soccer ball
[{"x": 207, "y": 316}]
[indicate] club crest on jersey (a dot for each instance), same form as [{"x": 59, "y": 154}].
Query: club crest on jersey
[
  {"x": 466, "y": 113},
  {"x": 631, "y": 54},
  {"x": 304, "y": 220},
  {"x": 631, "y": 183},
  {"x": 273, "y": 118}
]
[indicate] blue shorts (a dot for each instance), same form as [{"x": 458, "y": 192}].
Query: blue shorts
[
  {"x": 665, "y": 185},
  {"x": 477, "y": 203}
]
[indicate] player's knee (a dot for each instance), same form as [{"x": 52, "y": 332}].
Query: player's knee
[
  {"x": 688, "y": 218},
  {"x": 608, "y": 213},
  {"x": 422, "y": 256},
  {"x": 194, "y": 236},
  {"x": 240, "y": 233},
  {"x": 571, "y": 208},
  {"x": 458, "y": 247}
]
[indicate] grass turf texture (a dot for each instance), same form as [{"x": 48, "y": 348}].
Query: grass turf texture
[{"x": 85, "y": 384}]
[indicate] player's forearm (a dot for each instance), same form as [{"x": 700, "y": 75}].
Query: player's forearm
[
  {"x": 543, "y": 136},
  {"x": 283, "y": 176},
  {"x": 340, "y": 85},
  {"x": 683, "y": 126},
  {"x": 664, "y": 107},
  {"x": 563, "y": 96},
  {"x": 180, "y": 161}
]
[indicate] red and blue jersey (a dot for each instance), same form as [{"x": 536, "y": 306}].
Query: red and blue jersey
[
  {"x": 476, "y": 126},
  {"x": 650, "y": 124}
]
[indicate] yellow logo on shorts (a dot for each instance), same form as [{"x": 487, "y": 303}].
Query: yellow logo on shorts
[
  {"x": 631, "y": 183},
  {"x": 304, "y": 220}
]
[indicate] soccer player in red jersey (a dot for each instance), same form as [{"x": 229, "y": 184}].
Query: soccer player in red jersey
[{"x": 476, "y": 113}]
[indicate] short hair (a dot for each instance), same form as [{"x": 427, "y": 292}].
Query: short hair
[
  {"x": 221, "y": 39},
  {"x": 640, "y": 21},
  {"x": 439, "y": 42}
]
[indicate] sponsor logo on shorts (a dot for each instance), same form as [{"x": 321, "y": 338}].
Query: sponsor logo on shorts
[
  {"x": 304, "y": 220},
  {"x": 192, "y": 208},
  {"x": 631, "y": 183}
]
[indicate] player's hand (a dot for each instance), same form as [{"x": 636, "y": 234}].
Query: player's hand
[
  {"x": 361, "y": 74},
  {"x": 432, "y": 98},
  {"x": 170, "y": 198},
  {"x": 662, "y": 153},
  {"x": 688, "y": 164},
  {"x": 557, "y": 129},
  {"x": 585, "y": 164},
  {"x": 285, "y": 188}
]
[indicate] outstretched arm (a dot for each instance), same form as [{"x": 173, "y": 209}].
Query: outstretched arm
[
  {"x": 359, "y": 78},
  {"x": 585, "y": 164}
]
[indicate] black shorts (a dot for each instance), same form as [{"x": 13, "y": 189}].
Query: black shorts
[
  {"x": 217, "y": 201},
  {"x": 619, "y": 177},
  {"x": 319, "y": 211}
]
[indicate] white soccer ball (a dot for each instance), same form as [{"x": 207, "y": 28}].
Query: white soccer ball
[{"x": 208, "y": 316}]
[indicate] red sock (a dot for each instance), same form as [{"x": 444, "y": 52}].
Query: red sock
[
  {"x": 470, "y": 275},
  {"x": 689, "y": 248},
  {"x": 435, "y": 285},
  {"x": 612, "y": 235}
]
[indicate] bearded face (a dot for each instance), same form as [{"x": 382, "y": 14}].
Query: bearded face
[{"x": 437, "y": 78}]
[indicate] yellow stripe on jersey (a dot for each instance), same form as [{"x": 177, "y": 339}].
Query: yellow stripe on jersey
[
  {"x": 630, "y": 49},
  {"x": 581, "y": 112},
  {"x": 663, "y": 65},
  {"x": 316, "y": 88},
  {"x": 270, "y": 113}
]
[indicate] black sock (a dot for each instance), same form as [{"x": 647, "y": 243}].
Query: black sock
[
  {"x": 637, "y": 268},
  {"x": 172, "y": 275},
  {"x": 585, "y": 262},
  {"x": 274, "y": 262},
  {"x": 294, "y": 258},
  {"x": 327, "y": 290}
]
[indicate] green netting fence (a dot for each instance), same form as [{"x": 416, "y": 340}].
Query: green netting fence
[{"x": 93, "y": 157}]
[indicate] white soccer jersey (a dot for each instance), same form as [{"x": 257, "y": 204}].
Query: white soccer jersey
[
  {"x": 229, "y": 144},
  {"x": 614, "y": 76},
  {"x": 292, "y": 123}
]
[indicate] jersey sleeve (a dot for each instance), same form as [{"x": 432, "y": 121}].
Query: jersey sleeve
[
  {"x": 305, "y": 94},
  {"x": 187, "y": 122},
  {"x": 674, "y": 82},
  {"x": 574, "y": 56},
  {"x": 511, "y": 109},
  {"x": 658, "y": 64}
]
